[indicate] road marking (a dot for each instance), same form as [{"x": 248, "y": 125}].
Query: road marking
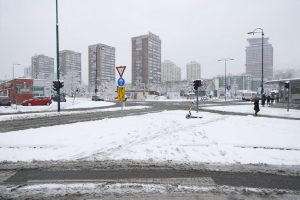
[
  {"x": 200, "y": 181},
  {"x": 4, "y": 175}
]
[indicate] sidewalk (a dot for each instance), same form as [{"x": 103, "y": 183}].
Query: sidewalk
[{"x": 248, "y": 110}]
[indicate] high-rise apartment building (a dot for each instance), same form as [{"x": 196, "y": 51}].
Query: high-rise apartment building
[
  {"x": 102, "y": 56},
  {"x": 146, "y": 60},
  {"x": 170, "y": 72},
  {"x": 254, "y": 58},
  {"x": 70, "y": 69},
  {"x": 42, "y": 67},
  {"x": 193, "y": 71}
]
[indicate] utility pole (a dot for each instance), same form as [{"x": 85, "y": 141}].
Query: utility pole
[
  {"x": 96, "y": 83},
  {"x": 197, "y": 99},
  {"x": 225, "y": 60},
  {"x": 57, "y": 58}
]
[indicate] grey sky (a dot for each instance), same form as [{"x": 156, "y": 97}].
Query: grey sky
[{"x": 200, "y": 30}]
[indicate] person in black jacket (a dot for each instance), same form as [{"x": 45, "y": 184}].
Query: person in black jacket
[
  {"x": 268, "y": 100},
  {"x": 256, "y": 105},
  {"x": 263, "y": 99}
]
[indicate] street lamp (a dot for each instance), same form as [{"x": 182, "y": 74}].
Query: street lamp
[
  {"x": 225, "y": 60},
  {"x": 57, "y": 56},
  {"x": 260, "y": 30},
  {"x": 15, "y": 87},
  {"x": 14, "y": 64}
]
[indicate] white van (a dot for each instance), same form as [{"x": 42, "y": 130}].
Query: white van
[{"x": 247, "y": 96}]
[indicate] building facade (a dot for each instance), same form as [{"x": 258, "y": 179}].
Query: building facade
[
  {"x": 254, "y": 58},
  {"x": 70, "y": 65},
  {"x": 193, "y": 71},
  {"x": 170, "y": 72},
  {"x": 42, "y": 67},
  {"x": 17, "y": 90},
  {"x": 101, "y": 65},
  {"x": 146, "y": 60}
]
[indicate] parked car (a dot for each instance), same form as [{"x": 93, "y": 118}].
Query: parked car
[
  {"x": 97, "y": 98},
  {"x": 62, "y": 98},
  {"x": 37, "y": 101},
  {"x": 4, "y": 101}
]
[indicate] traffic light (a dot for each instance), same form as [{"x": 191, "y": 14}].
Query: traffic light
[
  {"x": 197, "y": 84},
  {"x": 287, "y": 84},
  {"x": 56, "y": 85},
  {"x": 61, "y": 84}
]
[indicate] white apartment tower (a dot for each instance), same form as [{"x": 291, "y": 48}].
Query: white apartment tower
[
  {"x": 102, "y": 56},
  {"x": 146, "y": 60},
  {"x": 42, "y": 67},
  {"x": 70, "y": 65},
  {"x": 193, "y": 71},
  {"x": 170, "y": 72}
]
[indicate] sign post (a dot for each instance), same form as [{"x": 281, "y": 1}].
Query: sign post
[{"x": 121, "y": 87}]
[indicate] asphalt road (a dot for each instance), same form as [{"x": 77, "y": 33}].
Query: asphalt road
[
  {"x": 22, "y": 124},
  {"x": 246, "y": 179}
]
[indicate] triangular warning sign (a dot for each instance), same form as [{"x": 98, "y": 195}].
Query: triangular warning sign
[{"x": 121, "y": 70}]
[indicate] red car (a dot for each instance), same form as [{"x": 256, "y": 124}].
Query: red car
[{"x": 37, "y": 101}]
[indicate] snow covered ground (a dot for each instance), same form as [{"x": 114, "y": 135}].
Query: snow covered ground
[
  {"x": 160, "y": 137},
  {"x": 248, "y": 109},
  {"x": 50, "y": 114},
  {"x": 69, "y": 104}
]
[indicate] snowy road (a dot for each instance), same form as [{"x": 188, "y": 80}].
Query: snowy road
[
  {"x": 152, "y": 183},
  {"x": 227, "y": 152}
]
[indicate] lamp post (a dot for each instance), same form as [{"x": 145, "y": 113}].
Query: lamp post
[
  {"x": 260, "y": 30},
  {"x": 96, "y": 83},
  {"x": 57, "y": 58},
  {"x": 225, "y": 60},
  {"x": 14, "y": 64},
  {"x": 15, "y": 86}
]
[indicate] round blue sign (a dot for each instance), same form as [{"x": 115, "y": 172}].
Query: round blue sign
[{"x": 121, "y": 82}]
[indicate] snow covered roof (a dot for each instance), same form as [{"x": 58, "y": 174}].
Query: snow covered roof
[{"x": 282, "y": 80}]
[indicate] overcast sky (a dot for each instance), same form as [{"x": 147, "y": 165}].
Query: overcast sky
[{"x": 190, "y": 30}]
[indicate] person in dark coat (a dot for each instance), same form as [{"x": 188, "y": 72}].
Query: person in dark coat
[
  {"x": 272, "y": 99},
  {"x": 268, "y": 100},
  {"x": 263, "y": 100},
  {"x": 256, "y": 105}
]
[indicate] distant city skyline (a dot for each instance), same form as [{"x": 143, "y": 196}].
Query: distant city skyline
[{"x": 203, "y": 30}]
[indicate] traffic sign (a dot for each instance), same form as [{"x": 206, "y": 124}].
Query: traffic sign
[
  {"x": 121, "y": 93},
  {"x": 121, "y": 70},
  {"x": 121, "y": 81}
]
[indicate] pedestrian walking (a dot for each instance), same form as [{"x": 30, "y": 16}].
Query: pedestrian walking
[
  {"x": 263, "y": 100},
  {"x": 268, "y": 100},
  {"x": 256, "y": 105},
  {"x": 272, "y": 99}
]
